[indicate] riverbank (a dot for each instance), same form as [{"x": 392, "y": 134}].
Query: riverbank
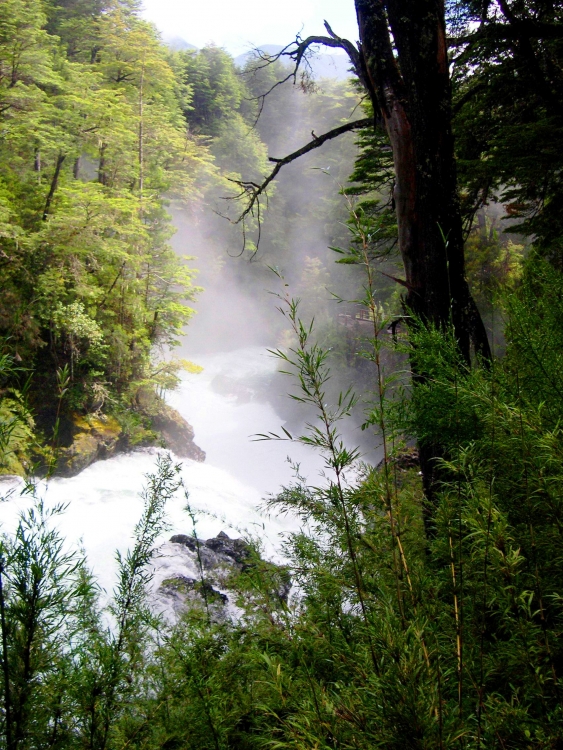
[
  {"x": 226, "y": 491},
  {"x": 65, "y": 444},
  {"x": 96, "y": 437}
]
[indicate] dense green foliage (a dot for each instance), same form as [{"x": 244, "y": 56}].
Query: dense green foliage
[
  {"x": 412, "y": 624},
  {"x": 69, "y": 670},
  {"x": 508, "y": 115},
  {"x": 409, "y": 627},
  {"x": 93, "y": 137},
  {"x": 102, "y": 128}
]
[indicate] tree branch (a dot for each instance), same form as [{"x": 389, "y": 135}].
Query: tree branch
[
  {"x": 301, "y": 46},
  {"x": 54, "y": 183},
  {"x": 459, "y": 103},
  {"x": 384, "y": 78},
  {"x": 297, "y": 52},
  {"x": 510, "y": 32},
  {"x": 253, "y": 190}
]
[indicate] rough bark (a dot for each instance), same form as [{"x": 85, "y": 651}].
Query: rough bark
[
  {"x": 402, "y": 62},
  {"x": 253, "y": 190},
  {"x": 54, "y": 184},
  {"x": 102, "y": 177},
  {"x": 404, "y": 49},
  {"x": 403, "y": 45}
]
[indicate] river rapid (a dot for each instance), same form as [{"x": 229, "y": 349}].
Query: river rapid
[{"x": 226, "y": 407}]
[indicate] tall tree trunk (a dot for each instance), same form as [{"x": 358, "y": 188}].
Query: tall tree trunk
[
  {"x": 405, "y": 61},
  {"x": 5, "y": 664},
  {"x": 402, "y": 62},
  {"x": 102, "y": 178},
  {"x": 54, "y": 183},
  {"x": 141, "y": 154},
  {"x": 409, "y": 80}
]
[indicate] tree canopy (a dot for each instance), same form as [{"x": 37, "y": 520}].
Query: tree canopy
[{"x": 418, "y": 603}]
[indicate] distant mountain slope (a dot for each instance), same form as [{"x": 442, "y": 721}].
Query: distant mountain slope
[{"x": 178, "y": 44}]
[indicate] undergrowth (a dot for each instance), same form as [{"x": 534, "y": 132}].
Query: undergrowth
[{"x": 409, "y": 626}]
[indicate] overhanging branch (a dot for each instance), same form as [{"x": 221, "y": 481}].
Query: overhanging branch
[
  {"x": 297, "y": 53},
  {"x": 253, "y": 190},
  {"x": 509, "y": 32},
  {"x": 297, "y": 50}
]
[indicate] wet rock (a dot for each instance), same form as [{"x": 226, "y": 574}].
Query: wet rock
[
  {"x": 176, "y": 433},
  {"x": 92, "y": 437},
  {"x": 182, "y": 586},
  {"x": 403, "y": 460},
  {"x": 217, "y": 551},
  {"x": 224, "y": 546},
  {"x": 192, "y": 574},
  {"x": 83, "y": 439},
  {"x": 283, "y": 589},
  {"x": 187, "y": 541}
]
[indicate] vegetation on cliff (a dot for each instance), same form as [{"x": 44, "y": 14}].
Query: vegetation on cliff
[
  {"x": 103, "y": 128},
  {"x": 427, "y": 602}
]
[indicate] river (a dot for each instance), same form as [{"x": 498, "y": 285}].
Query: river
[{"x": 103, "y": 502}]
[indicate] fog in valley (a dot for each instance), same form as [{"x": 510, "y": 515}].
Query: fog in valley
[
  {"x": 281, "y": 375},
  {"x": 240, "y": 391},
  {"x": 237, "y": 319}
]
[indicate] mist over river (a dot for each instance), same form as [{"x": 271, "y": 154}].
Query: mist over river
[
  {"x": 103, "y": 500},
  {"x": 237, "y": 396}
]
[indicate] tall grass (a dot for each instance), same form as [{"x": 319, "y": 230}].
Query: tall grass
[{"x": 410, "y": 626}]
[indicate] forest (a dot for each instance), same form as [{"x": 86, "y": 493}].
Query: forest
[{"x": 407, "y": 224}]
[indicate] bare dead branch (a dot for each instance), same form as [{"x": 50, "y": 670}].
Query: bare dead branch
[
  {"x": 350, "y": 49},
  {"x": 302, "y": 46},
  {"x": 253, "y": 190},
  {"x": 297, "y": 53}
]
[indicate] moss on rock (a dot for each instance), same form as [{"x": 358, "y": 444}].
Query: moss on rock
[
  {"x": 16, "y": 437},
  {"x": 94, "y": 437}
]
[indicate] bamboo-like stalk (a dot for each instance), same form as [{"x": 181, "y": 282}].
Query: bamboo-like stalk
[
  {"x": 317, "y": 397},
  {"x": 481, "y": 684},
  {"x": 457, "y": 616},
  {"x": 390, "y": 488},
  {"x": 5, "y": 662},
  {"x": 191, "y": 513},
  {"x": 458, "y": 599},
  {"x": 533, "y": 537},
  {"x": 375, "y": 316}
]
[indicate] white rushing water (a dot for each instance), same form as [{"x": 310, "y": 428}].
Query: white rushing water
[{"x": 103, "y": 500}]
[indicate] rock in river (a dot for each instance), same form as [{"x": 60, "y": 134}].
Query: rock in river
[
  {"x": 196, "y": 574},
  {"x": 91, "y": 437}
]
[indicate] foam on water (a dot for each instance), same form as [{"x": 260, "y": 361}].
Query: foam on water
[
  {"x": 225, "y": 425},
  {"x": 104, "y": 501}
]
